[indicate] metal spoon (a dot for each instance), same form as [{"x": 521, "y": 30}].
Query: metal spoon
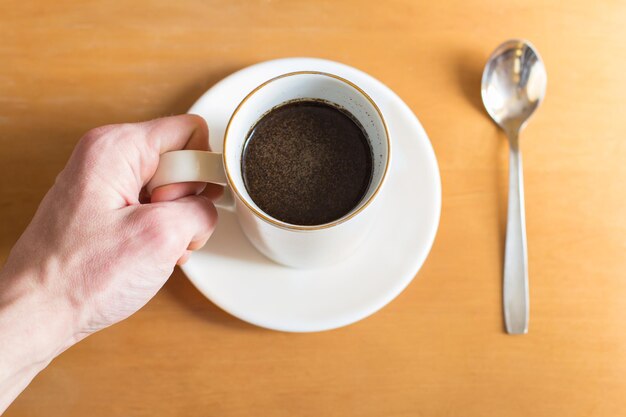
[{"x": 513, "y": 86}]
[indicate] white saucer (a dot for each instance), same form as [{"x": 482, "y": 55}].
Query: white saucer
[{"x": 237, "y": 278}]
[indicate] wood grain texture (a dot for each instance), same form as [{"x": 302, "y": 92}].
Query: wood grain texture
[{"x": 439, "y": 349}]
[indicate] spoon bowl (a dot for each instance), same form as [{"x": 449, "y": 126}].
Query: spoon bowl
[{"x": 513, "y": 84}]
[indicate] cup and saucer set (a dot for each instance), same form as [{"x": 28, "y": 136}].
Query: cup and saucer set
[{"x": 308, "y": 278}]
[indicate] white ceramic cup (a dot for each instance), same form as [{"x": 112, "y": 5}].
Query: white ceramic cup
[{"x": 288, "y": 244}]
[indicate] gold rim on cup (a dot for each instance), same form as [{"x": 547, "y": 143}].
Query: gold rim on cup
[{"x": 290, "y": 226}]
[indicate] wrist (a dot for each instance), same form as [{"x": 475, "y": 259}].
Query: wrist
[{"x": 36, "y": 325}]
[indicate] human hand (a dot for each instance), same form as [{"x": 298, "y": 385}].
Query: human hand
[{"x": 94, "y": 253}]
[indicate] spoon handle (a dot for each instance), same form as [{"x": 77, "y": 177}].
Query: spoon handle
[{"x": 515, "y": 286}]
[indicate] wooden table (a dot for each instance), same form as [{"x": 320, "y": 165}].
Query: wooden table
[{"x": 439, "y": 349}]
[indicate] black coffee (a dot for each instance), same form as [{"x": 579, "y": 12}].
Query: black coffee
[{"x": 307, "y": 163}]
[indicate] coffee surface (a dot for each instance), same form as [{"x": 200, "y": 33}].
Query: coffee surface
[{"x": 307, "y": 163}]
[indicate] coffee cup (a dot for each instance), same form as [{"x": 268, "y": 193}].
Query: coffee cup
[{"x": 295, "y": 245}]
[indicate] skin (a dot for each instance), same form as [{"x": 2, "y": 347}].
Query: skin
[{"x": 98, "y": 248}]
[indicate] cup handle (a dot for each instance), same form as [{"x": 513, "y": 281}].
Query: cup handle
[{"x": 192, "y": 166}]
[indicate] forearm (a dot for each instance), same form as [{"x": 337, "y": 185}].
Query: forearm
[{"x": 34, "y": 328}]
